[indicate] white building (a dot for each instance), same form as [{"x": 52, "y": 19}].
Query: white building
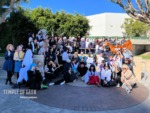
[{"x": 107, "y": 24}]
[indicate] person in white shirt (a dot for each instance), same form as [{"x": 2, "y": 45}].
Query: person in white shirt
[
  {"x": 31, "y": 44},
  {"x": 106, "y": 76},
  {"x": 127, "y": 54},
  {"x": 70, "y": 48},
  {"x": 100, "y": 59},
  {"x": 90, "y": 60},
  {"x": 118, "y": 58},
  {"x": 65, "y": 55},
  {"x": 87, "y": 43}
]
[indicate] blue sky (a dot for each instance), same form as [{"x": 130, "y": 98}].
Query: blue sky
[{"x": 83, "y": 7}]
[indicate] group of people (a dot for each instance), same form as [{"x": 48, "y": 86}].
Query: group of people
[{"x": 71, "y": 58}]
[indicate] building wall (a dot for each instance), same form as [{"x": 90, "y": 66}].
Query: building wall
[
  {"x": 107, "y": 24},
  {"x": 97, "y": 23}
]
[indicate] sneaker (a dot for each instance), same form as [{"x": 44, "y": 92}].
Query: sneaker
[
  {"x": 118, "y": 85},
  {"x": 134, "y": 85},
  {"x": 43, "y": 86},
  {"x": 75, "y": 80},
  {"x": 62, "y": 83},
  {"x": 127, "y": 89},
  {"x": 123, "y": 85},
  {"x": 51, "y": 84}
]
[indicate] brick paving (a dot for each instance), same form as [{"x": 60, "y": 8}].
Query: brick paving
[
  {"x": 91, "y": 98},
  {"x": 79, "y": 99}
]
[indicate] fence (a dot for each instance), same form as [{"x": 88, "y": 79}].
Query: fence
[{"x": 113, "y": 37}]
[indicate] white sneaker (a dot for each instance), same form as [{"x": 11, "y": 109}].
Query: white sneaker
[
  {"x": 51, "y": 84},
  {"x": 118, "y": 85},
  {"x": 123, "y": 85},
  {"x": 74, "y": 80},
  {"x": 127, "y": 89},
  {"x": 62, "y": 83}
]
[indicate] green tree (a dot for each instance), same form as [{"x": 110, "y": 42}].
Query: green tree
[
  {"x": 6, "y": 7},
  {"x": 15, "y": 29},
  {"x": 20, "y": 22},
  {"x": 134, "y": 27},
  {"x": 59, "y": 23}
]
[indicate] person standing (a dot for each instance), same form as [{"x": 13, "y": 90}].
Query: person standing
[
  {"x": 9, "y": 63},
  {"x": 26, "y": 64},
  {"x": 18, "y": 58}
]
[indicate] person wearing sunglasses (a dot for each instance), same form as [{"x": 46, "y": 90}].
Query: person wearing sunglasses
[{"x": 127, "y": 78}]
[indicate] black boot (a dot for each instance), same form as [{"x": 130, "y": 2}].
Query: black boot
[
  {"x": 9, "y": 79},
  {"x": 6, "y": 81}
]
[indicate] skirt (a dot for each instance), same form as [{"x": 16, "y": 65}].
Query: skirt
[
  {"x": 8, "y": 65},
  {"x": 94, "y": 80},
  {"x": 17, "y": 66}
]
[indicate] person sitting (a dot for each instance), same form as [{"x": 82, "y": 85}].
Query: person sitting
[
  {"x": 70, "y": 76},
  {"x": 127, "y": 78},
  {"x": 74, "y": 66},
  {"x": 90, "y": 60},
  {"x": 116, "y": 73},
  {"x": 82, "y": 69},
  {"x": 128, "y": 63},
  {"x": 41, "y": 50},
  {"x": 41, "y": 69},
  {"x": 92, "y": 77},
  {"x": 100, "y": 59},
  {"x": 35, "y": 78},
  {"x": 102, "y": 65},
  {"x": 106, "y": 76},
  {"x": 65, "y": 56},
  {"x": 75, "y": 56},
  {"x": 82, "y": 58},
  {"x": 49, "y": 69}
]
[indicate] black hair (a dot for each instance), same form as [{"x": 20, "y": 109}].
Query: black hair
[
  {"x": 107, "y": 65},
  {"x": 81, "y": 63},
  {"x": 92, "y": 66}
]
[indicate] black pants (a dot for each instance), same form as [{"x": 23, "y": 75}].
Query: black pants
[
  {"x": 118, "y": 80},
  {"x": 49, "y": 76},
  {"x": 108, "y": 84},
  {"x": 9, "y": 76}
]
